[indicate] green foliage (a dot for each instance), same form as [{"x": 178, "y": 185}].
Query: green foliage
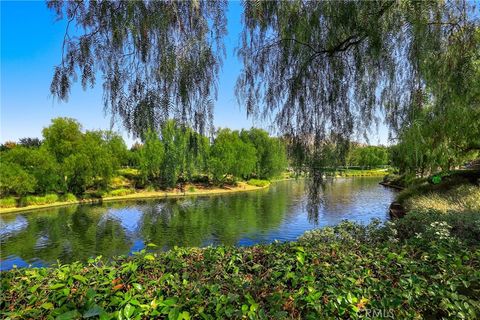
[
  {"x": 39, "y": 200},
  {"x": 15, "y": 180},
  {"x": 174, "y": 140},
  {"x": 68, "y": 197},
  {"x": 156, "y": 59},
  {"x": 8, "y": 202},
  {"x": 40, "y": 163},
  {"x": 151, "y": 157},
  {"x": 120, "y": 192},
  {"x": 270, "y": 151},
  {"x": 229, "y": 155},
  {"x": 63, "y": 137},
  {"x": 368, "y": 156},
  {"x": 70, "y": 161},
  {"x": 258, "y": 182},
  {"x": 402, "y": 273}
]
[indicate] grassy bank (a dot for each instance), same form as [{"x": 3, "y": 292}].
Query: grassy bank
[
  {"x": 361, "y": 173},
  {"x": 132, "y": 194},
  {"x": 457, "y": 191},
  {"x": 406, "y": 270}
]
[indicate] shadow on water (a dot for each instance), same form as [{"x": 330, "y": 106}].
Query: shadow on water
[{"x": 283, "y": 212}]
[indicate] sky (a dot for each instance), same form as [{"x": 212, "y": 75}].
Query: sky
[{"x": 30, "y": 48}]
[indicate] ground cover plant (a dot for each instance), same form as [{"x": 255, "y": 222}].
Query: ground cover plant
[{"x": 347, "y": 271}]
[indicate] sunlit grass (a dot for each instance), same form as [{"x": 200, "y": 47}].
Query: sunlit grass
[{"x": 464, "y": 198}]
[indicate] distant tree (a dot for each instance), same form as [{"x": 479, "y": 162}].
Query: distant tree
[
  {"x": 30, "y": 142},
  {"x": 102, "y": 161},
  {"x": 63, "y": 137},
  {"x": 271, "y": 152},
  {"x": 15, "y": 180},
  {"x": 8, "y": 145},
  {"x": 230, "y": 155},
  {"x": 78, "y": 173},
  {"x": 368, "y": 156},
  {"x": 151, "y": 156},
  {"x": 117, "y": 147},
  {"x": 133, "y": 155},
  {"x": 40, "y": 164},
  {"x": 174, "y": 140}
]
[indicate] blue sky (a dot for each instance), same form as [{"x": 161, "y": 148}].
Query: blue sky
[{"x": 31, "y": 43}]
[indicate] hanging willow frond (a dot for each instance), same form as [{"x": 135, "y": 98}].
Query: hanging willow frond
[{"x": 157, "y": 59}]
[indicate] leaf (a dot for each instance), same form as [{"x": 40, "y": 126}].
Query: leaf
[
  {"x": 47, "y": 306},
  {"x": 73, "y": 314},
  {"x": 56, "y": 286},
  {"x": 128, "y": 310},
  {"x": 184, "y": 316},
  {"x": 151, "y": 245},
  {"x": 80, "y": 278},
  {"x": 138, "y": 286},
  {"x": 149, "y": 257},
  {"x": 95, "y": 310},
  {"x": 301, "y": 257}
]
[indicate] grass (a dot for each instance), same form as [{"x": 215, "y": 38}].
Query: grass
[
  {"x": 258, "y": 183},
  {"x": 120, "y": 192},
  {"x": 342, "y": 272},
  {"x": 462, "y": 198},
  {"x": 449, "y": 188},
  {"x": 8, "y": 202},
  {"x": 361, "y": 173},
  {"x": 39, "y": 200}
]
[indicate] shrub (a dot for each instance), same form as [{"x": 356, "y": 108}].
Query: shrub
[
  {"x": 39, "y": 200},
  {"x": 68, "y": 197},
  {"x": 191, "y": 189},
  {"x": 120, "y": 192},
  {"x": 8, "y": 202},
  {"x": 341, "y": 272},
  {"x": 129, "y": 173},
  {"x": 258, "y": 182}
]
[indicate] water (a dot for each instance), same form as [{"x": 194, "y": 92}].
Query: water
[{"x": 77, "y": 232}]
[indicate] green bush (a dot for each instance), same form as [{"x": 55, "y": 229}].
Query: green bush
[
  {"x": 341, "y": 272},
  {"x": 68, "y": 197},
  {"x": 120, "y": 192},
  {"x": 8, "y": 202},
  {"x": 258, "y": 182},
  {"x": 191, "y": 189},
  {"x": 39, "y": 200}
]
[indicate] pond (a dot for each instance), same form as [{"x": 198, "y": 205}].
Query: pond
[{"x": 77, "y": 232}]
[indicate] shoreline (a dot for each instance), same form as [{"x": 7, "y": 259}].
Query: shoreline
[{"x": 242, "y": 187}]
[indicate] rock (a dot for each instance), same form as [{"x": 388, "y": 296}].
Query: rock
[{"x": 396, "y": 210}]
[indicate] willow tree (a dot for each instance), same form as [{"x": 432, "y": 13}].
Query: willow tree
[
  {"x": 324, "y": 70},
  {"x": 157, "y": 59}
]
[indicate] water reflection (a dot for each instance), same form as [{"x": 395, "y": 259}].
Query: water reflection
[{"x": 79, "y": 232}]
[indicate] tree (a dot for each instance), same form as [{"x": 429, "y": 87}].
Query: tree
[
  {"x": 101, "y": 161},
  {"x": 321, "y": 69},
  {"x": 63, "y": 137},
  {"x": 174, "y": 139},
  {"x": 367, "y": 156},
  {"x": 38, "y": 163},
  {"x": 15, "y": 180},
  {"x": 271, "y": 153},
  {"x": 230, "y": 155},
  {"x": 151, "y": 156},
  {"x": 158, "y": 58},
  {"x": 30, "y": 142},
  {"x": 116, "y": 147}
]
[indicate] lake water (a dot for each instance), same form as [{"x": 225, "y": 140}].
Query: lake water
[{"x": 77, "y": 232}]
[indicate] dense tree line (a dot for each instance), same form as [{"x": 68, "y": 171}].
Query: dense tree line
[
  {"x": 69, "y": 160},
  {"x": 368, "y": 156}
]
